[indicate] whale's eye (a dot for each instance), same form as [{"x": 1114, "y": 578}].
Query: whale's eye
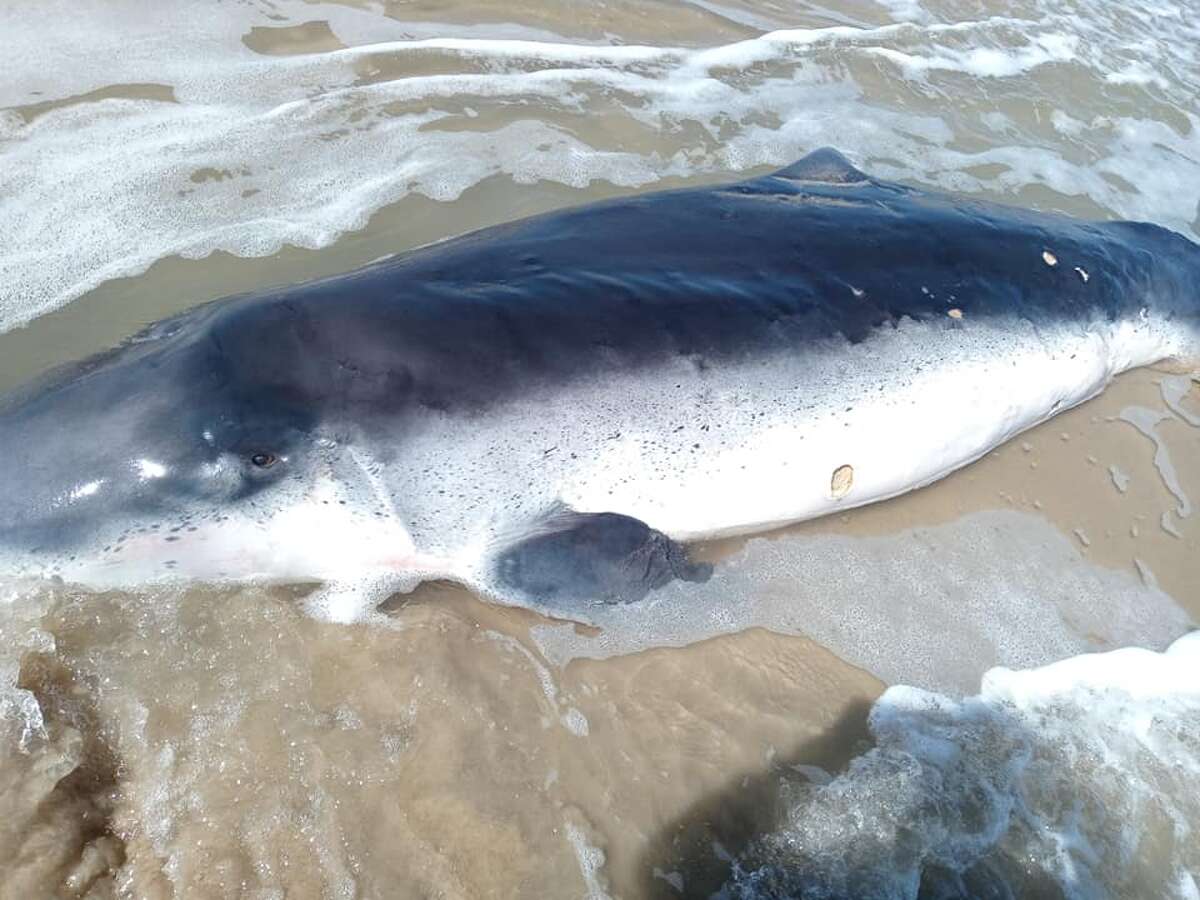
[{"x": 264, "y": 460}]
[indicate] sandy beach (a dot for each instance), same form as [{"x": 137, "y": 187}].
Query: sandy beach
[{"x": 221, "y": 743}]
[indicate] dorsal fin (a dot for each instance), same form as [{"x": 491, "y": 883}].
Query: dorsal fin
[{"x": 825, "y": 165}]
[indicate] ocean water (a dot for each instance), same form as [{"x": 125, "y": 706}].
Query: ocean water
[
  {"x": 985, "y": 689},
  {"x": 1074, "y": 779}
]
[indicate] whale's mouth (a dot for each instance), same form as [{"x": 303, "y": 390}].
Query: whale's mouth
[{"x": 310, "y": 538}]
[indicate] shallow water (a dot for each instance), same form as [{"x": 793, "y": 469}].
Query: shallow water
[{"x": 208, "y": 743}]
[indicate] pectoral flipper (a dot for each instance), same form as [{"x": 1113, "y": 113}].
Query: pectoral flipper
[{"x": 594, "y": 558}]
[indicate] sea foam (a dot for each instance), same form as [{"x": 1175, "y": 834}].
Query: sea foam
[{"x": 1080, "y": 777}]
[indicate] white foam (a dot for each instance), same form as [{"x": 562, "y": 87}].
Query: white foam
[
  {"x": 1174, "y": 389},
  {"x": 345, "y": 602},
  {"x": 986, "y": 62},
  {"x": 21, "y": 608},
  {"x": 591, "y": 862},
  {"x": 1137, "y": 73},
  {"x": 1147, "y": 421},
  {"x": 258, "y": 151},
  {"x": 905, "y": 10},
  {"x": 1083, "y": 774}
]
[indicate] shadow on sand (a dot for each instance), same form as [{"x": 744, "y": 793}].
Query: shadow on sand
[
  {"x": 700, "y": 845},
  {"x": 693, "y": 856}
]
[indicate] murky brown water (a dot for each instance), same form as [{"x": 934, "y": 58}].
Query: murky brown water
[{"x": 224, "y": 744}]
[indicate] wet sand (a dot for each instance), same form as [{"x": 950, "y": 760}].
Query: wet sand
[{"x": 436, "y": 758}]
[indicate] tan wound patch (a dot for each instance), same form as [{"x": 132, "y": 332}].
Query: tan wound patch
[
  {"x": 841, "y": 482},
  {"x": 1049, "y": 258},
  {"x": 955, "y": 313}
]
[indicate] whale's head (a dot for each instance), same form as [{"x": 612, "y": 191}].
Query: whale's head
[{"x": 210, "y": 446}]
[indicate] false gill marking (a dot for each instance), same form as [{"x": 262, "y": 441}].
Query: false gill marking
[{"x": 370, "y": 469}]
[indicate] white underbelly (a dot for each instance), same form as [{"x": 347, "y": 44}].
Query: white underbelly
[
  {"x": 701, "y": 451},
  {"x": 890, "y": 418}
]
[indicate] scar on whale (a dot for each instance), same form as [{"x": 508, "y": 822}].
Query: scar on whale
[{"x": 842, "y": 481}]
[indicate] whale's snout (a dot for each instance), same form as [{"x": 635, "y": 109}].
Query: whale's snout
[{"x": 116, "y": 461}]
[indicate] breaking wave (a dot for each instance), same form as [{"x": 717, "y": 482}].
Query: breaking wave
[{"x": 1079, "y": 779}]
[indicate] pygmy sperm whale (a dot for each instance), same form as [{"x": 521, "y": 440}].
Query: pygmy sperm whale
[{"x": 549, "y": 410}]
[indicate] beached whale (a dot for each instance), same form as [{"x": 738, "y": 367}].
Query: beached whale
[{"x": 549, "y": 409}]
